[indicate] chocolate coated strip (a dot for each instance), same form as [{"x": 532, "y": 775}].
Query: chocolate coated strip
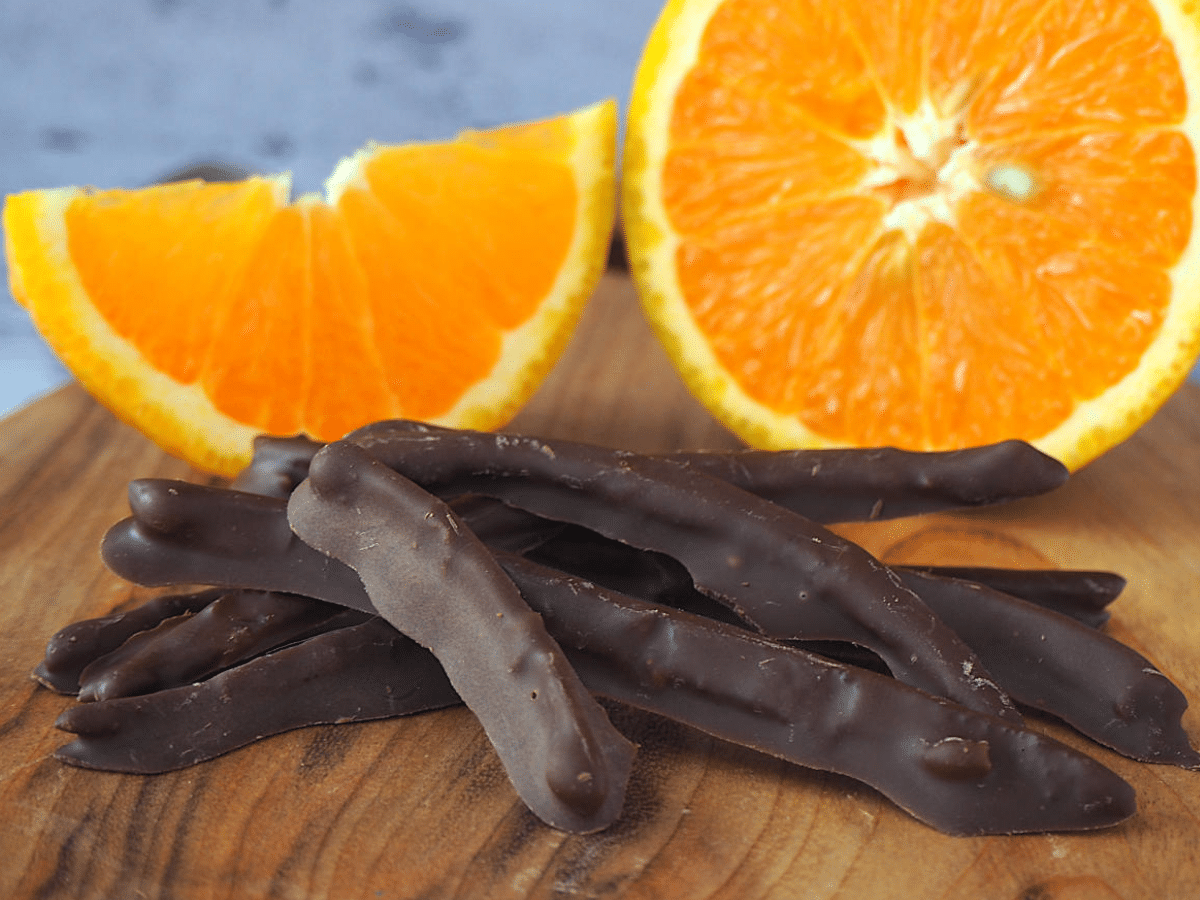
[
  {"x": 182, "y": 533},
  {"x": 787, "y": 576},
  {"x": 185, "y": 533},
  {"x": 860, "y": 485},
  {"x": 1102, "y": 688},
  {"x": 361, "y": 672},
  {"x": 277, "y": 466},
  {"x": 856, "y": 484},
  {"x": 435, "y": 581},
  {"x": 71, "y": 649},
  {"x": 281, "y": 463},
  {"x": 234, "y": 627},
  {"x": 644, "y": 574},
  {"x": 500, "y": 525},
  {"x": 1081, "y": 594}
]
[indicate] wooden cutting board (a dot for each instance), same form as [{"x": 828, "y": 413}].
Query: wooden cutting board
[{"x": 419, "y": 807}]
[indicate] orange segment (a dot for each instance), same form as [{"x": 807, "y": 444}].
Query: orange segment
[
  {"x": 849, "y": 379},
  {"x": 256, "y": 333},
  {"x": 436, "y": 282},
  {"x": 1094, "y": 309},
  {"x": 341, "y": 344},
  {"x": 760, "y": 172},
  {"x": 927, "y": 224},
  {"x": 535, "y": 204},
  {"x": 892, "y": 35},
  {"x": 1087, "y": 64},
  {"x": 191, "y": 245},
  {"x": 434, "y": 335},
  {"x": 1130, "y": 190},
  {"x": 799, "y": 54},
  {"x": 781, "y": 278},
  {"x": 964, "y": 332},
  {"x": 966, "y": 42}
]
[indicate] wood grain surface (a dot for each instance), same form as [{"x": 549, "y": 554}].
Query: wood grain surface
[{"x": 419, "y": 807}]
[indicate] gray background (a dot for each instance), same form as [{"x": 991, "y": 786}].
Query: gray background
[{"x": 123, "y": 93}]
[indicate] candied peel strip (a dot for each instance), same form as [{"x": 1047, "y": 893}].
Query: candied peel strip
[
  {"x": 436, "y": 582},
  {"x": 827, "y": 486},
  {"x": 235, "y": 626},
  {"x": 351, "y": 674},
  {"x": 76, "y": 646},
  {"x": 856, "y": 485}
]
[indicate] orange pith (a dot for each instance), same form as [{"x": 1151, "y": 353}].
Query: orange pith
[
  {"x": 919, "y": 223},
  {"x": 435, "y": 281}
]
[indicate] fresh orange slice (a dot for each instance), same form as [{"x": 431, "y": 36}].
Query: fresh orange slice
[
  {"x": 924, "y": 223},
  {"x": 434, "y": 281}
]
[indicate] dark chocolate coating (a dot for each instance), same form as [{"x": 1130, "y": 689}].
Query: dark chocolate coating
[
  {"x": 958, "y": 770},
  {"x": 281, "y": 463},
  {"x": 234, "y": 627},
  {"x": 883, "y": 483},
  {"x": 352, "y": 674},
  {"x": 435, "y": 581},
  {"x": 183, "y": 533},
  {"x": 864, "y": 484},
  {"x": 500, "y": 525},
  {"x": 645, "y": 574},
  {"x": 788, "y": 577},
  {"x": 278, "y": 465},
  {"x": 1079, "y": 593},
  {"x": 1050, "y": 662},
  {"x": 74, "y": 647}
]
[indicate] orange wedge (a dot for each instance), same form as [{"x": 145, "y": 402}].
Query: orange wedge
[
  {"x": 925, "y": 223},
  {"x": 433, "y": 281}
]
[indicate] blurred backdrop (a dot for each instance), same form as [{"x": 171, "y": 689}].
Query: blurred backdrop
[{"x": 122, "y": 94}]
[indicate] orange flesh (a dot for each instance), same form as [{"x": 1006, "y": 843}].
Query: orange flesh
[
  {"x": 314, "y": 319},
  {"x": 190, "y": 245},
  {"x": 1050, "y": 272}
]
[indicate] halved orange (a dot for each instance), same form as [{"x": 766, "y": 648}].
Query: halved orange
[
  {"x": 433, "y": 281},
  {"x": 924, "y": 223}
]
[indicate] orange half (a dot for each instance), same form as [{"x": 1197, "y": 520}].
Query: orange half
[{"x": 929, "y": 223}]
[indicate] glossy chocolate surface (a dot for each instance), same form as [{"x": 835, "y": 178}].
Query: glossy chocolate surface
[
  {"x": 236, "y": 626},
  {"x": 352, "y": 674},
  {"x": 864, "y": 484},
  {"x": 824, "y": 715},
  {"x": 1053, "y": 663},
  {"x": 1082, "y": 594},
  {"x": 182, "y": 533},
  {"x": 969, "y": 778},
  {"x": 278, "y": 465},
  {"x": 74, "y": 647}
]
